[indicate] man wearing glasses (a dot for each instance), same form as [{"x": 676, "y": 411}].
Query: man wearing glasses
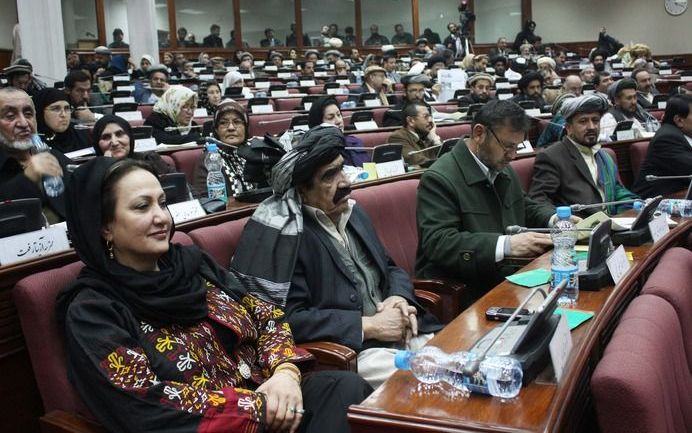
[{"x": 467, "y": 198}]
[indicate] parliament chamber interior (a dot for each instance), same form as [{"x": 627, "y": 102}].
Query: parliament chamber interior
[{"x": 327, "y": 215}]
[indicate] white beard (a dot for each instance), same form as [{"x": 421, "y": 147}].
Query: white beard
[{"x": 16, "y": 144}]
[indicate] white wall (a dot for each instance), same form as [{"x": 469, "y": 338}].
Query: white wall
[
  {"x": 643, "y": 21},
  {"x": 79, "y": 18},
  {"x": 8, "y": 18},
  {"x": 116, "y": 17}
]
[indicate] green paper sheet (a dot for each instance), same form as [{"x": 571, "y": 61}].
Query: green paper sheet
[
  {"x": 532, "y": 278},
  {"x": 581, "y": 255},
  {"x": 575, "y": 317}
]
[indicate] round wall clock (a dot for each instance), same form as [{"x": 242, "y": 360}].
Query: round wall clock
[{"x": 675, "y": 7}]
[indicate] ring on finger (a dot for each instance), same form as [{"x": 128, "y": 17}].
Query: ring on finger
[{"x": 296, "y": 410}]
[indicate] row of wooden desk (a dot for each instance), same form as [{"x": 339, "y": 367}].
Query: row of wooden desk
[{"x": 542, "y": 406}]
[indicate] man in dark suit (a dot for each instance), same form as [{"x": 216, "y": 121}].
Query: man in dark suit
[
  {"x": 213, "y": 40},
  {"x": 646, "y": 90},
  {"x": 670, "y": 151},
  {"x": 576, "y": 169},
  {"x": 339, "y": 283}
]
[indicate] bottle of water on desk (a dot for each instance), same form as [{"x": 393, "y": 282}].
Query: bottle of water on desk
[
  {"x": 563, "y": 265},
  {"x": 676, "y": 207},
  {"x": 499, "y": 376},
  {"x": 52, "y": 185},
  {"x": 216, "y": 184}
]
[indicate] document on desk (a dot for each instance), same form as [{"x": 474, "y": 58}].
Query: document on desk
[{"x": 625, "y": 223}]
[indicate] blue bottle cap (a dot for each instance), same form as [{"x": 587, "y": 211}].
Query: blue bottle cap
[
  {"x": 401, "y": 359},
  {"x": 563, "y": 212},
  {"x": 212, "y": 147},
  {"x": 363, "y": 175},
  {"x": 637, "y": 205}
]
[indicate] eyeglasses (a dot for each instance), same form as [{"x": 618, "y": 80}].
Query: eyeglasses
[
  {"x": 507, "y": 148},
  {"x": 58, "y": 110}
]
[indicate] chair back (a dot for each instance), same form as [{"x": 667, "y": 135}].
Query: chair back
[
  {"x": 524, "y": 169},
  {"x": 637, "y": 156},
  {"x": 220, "y": 241}
]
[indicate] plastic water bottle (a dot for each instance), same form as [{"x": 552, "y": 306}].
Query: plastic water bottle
[
  {"x": 216, "y": 183},
  {"x": 52, "y": 185},
  {"x": 676, "y": 207},
  {"x": 499, "y": 376},
  {"x": 563, "y": 265}
]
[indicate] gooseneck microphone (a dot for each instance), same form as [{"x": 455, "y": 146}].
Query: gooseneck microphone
[
  {"x": 652, "y": 178},
  {"x": 581, "y": 207},
  {"x": 515, "y": 230}
]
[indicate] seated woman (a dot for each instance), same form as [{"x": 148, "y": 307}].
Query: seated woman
[
  {"x": 171, "y": 118},
  {"x": 112, "y": 136},
  {"x": 235, "y": 79},
  {"x": 53, "y": 114},
  {"x": 158, "y": 337},
  {"x": 144, "y": 64},
  {"x": 210, "y": 97},
  {"x": 326, "y": 110},
  {"x": 231, "y": 128}
]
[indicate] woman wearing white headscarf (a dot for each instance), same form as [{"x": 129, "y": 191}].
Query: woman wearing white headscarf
[
  {"x": 234, "y": 79},
  {"x": 174, "y": 110},
  {"x": 144, "y": 63}
]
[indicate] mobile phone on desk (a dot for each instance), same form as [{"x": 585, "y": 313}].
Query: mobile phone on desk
[{"x": 502, "y": 314}]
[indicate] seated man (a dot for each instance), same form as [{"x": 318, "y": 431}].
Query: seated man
[
  {"x": 572, "y": 84},
  {"x": 469, "y": 196},
  {"x": 530, "y": 89},
  {"x": 21, "y": 172},
  {"x": 576, "y": 170},
  {"x": 323, "y": 262},
  {"x": 417, "y": 133},
  {"x": 623, "y": 95},
  {"x": 646, "y": 90},
  {"x": 480, "y": 84},
  {"x": 601, "y": 82},
  {"x": 375, "y": 82},
  {"x": 414, "y": 91},
  {"x": 670, "y": 151},
  {"x": 158, "y": 84}
]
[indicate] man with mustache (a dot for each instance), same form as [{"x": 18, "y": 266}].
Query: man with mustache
[
  {"x": 21, "y": 171},
  {"x": 312, "y": 250},
  {"x": 416, "y": 133},
  {"x": 469, "y": 196},
  {"x": 576, "y": 170}
]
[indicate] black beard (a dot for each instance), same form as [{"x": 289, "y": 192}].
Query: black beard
[{"x": 341, "y": 193}]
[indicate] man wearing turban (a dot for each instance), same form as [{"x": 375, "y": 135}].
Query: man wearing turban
[
  {"x": 312, "y": 250},
  {"x": 576, "y": 169}
]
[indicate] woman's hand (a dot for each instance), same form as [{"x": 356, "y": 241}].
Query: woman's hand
[{"x": 284, "y": 402}]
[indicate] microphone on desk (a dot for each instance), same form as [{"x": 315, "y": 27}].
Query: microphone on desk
[
  {"x": 471, "y": 368},
  {"x": 652, "y": 178},
  {"x": 175, "y": 128},
  {"x": 515, "y": 230},
  {"x": 581, "y": 207},
  {"x": 415, "y": 152}
]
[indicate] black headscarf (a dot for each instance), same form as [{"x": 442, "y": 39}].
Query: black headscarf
[
  {"x": 101, "y": 125},
  {"x": 66, "y": 141},
  {"x": 316, "y": 113},
  {"x": 176, "y": 294}
]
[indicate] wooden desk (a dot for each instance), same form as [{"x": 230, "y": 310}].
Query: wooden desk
[{"x": 540, "y": 407}]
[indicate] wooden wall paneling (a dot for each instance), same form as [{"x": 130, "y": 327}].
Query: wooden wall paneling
[
  {"x": 359, "y": 24},
  {"x": 172, "y": 26},
  {"x": 237, "y": 26},
  {"x": 299, "y": 23},
  {"x": 415, "y": 19},
  {"x": 101, "y": 22},
  {"x": 526, "y": 11}
]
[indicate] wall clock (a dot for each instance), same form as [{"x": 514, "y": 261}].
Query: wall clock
[{"x": 675, "y": 7}]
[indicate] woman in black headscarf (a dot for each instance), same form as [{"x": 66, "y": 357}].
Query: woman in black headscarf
[
  {"x": 53, "y": 114},
  {"x": 159, "y": 337},
  {"x": 326, "y": 110},
  {"x": 112, "y": 136}
]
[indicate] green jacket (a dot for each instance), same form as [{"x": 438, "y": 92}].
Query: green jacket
[{"x": 461, "y": 215}]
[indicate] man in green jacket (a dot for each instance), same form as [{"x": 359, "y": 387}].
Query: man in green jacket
[{"x": 468, "y": 197}]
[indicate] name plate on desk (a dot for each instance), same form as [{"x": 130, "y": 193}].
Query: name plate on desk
[
  {"x": 307, "y": 83},
  {"x": 130, "y": 115},
  {"x": 121, "y": 78},
  {"x": 259, "y": 63},
  {"x": 504, "y": 96},
  {"x": 321, "y": 74},
  {"x": 335, "y": 91},
  {"x": 126, "y": 88},
  {"x": 186, "y": 210},
  {"x": 625, "y": 135},
  {"x": 283, "y": 75},
  {"x": 372, "y": 102},
  {"x": 271, "y": 68},
  {"x": 231, "y": 68},
  {"x": 662, "y": 105},
  {"x": 532, "y": 112},
  {"x": 626, "y": 74},
  {"x": 288, "y": 62},
  {"x": 617, "y": 263},
  {"x": 665, "y": 72},
  {"x": 206, "y": 77},
  {"x": 124, "y": 100},
  {"x": 390, "y": 168},
  {"x": 262, "y": 84},
  {"x": 560, "y": 347},
  {"x": 265, "y": 108},
  {"x": 370, "y": 124},
  {"x": 279, "y": 93},
  {"x": 145, "y": 144},
  {"x": 525, "y": 147},
  {"x": 618, "y": 65},
  {"x": 344, "y": 82},
  {"x": 200, "y": 112},
  {"x": 658, "y": 227},
  {"x": 34, "y": 244},
  {"x": 686, "y": 78}
]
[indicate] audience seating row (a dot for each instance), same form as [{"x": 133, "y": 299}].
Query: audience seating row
[{"x": 643, "y": 381}]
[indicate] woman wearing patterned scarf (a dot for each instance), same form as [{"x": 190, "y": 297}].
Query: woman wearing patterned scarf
[{"x": 174, "y": 110}]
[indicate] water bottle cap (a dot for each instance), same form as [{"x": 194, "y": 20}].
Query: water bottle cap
[
  {"x": 401, "y": 359},
  {"x": 637, "y": 205},
  {"x": 363, "y": 175},
  {"x": 563, "y": 212},
  {"x": 212, "y": 147}
]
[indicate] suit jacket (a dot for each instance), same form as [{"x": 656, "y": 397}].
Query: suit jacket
[
  {"x": 461, "y": 216},
  {"x": 669, "y": 154},
  {"x": 412, "y": 143},
  {"x": 561, "y": 178},
  {"x": 323, "y": 301}
]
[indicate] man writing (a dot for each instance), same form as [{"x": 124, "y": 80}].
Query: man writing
[
  {"x": 469, "y": 196},
  {"x": 334, "y": 277},
  {"x": 576, "y": 169}
]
